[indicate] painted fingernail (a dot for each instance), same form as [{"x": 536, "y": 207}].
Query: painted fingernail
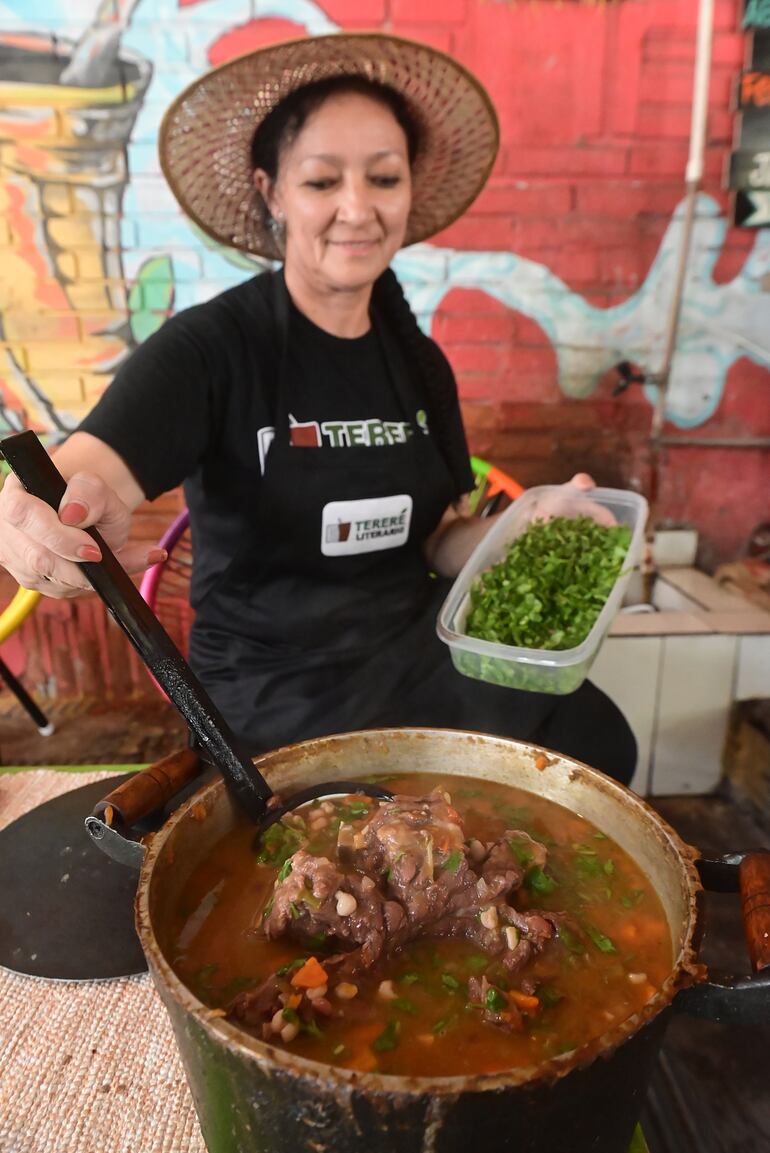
[
  {"x": 89, "y": 552},
  {"x": 156, "y": 555},
  {"x": 73, "y": 513}
]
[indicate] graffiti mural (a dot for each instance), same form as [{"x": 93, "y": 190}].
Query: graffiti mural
[{"x": 97, "y": 254}]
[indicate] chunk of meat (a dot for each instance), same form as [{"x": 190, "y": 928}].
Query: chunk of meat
[{"x": 406, "y": 873}]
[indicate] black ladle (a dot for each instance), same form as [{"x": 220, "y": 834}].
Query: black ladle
[{"x": 41, "y": 478}]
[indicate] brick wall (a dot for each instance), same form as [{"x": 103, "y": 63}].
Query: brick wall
[{"x": 594, "y": 107}]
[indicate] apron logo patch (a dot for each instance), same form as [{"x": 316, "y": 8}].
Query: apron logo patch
[{"x": 371, "y": 525}]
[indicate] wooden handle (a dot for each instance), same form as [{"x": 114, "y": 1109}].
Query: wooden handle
[
  {"x": 755, "y": 905},
  {"x": 149, "y": 790}
]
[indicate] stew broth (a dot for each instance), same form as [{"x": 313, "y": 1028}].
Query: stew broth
[{"x": 413, "y": 1015}]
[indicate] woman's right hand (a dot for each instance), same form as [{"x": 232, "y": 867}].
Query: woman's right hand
[{"x": 40, "y": 548}]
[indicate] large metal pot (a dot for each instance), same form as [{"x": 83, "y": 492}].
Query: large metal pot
[{"x": 253, "y": 1098}]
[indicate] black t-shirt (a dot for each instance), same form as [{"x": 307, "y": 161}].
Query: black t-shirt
[{"x": 196, "y": 403}]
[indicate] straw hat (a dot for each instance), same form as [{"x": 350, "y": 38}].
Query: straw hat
[{"x": 205, "y": 138}]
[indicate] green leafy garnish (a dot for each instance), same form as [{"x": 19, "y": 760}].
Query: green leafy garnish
[
  {"x": 405, "y": 1005},
  {"x": 450, "y": 982},
  {"x": 284, "y": 871},
  {"x": 521, "y": 851},
  {"x": 538, "y": 881},
  {"x": 452, "y": 862},
  {"x": 291, "y": 1016},
  {"x": 410, "y": 978},
  {"x": 548, "y": 996},
  {"x": 495, "y": 1001},
  {"x": 570, "y": 941},
  {"x": 311, "y": 1028},
  {"x": 604, "y": 944},
  {"x": 278, "y": 843},
  {"x": 294, "y": 911},
  {"x": 549, "y": 589},
  {"x": 338, "y": 1050},
  {"x": 477, "y": 963},
  {"x": 388, "y": 1038},
  {"x": 297, "y": 963}
]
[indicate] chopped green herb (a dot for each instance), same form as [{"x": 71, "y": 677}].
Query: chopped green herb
[
  {"x": 600, "y": 836},
  {"x": 278, "y": 843},
  {"x": 297, "y": 963},
  {"x": 538, "y": 881},
  {"x": 203, "y": 976},
  {"x": 405, "y": 1005},
  {"x": 609, "y": 867},
  {"x": 388, "y": 1038},
  {"x": 311, "y": 1028},
  {"x": 521, "y": 851},
  {"x": 495, "y": 1001},
  {"x": 452, "y": 862},
  {"x": 450, "y": 982},
  {"x": 236, "y": 985},
  {"x": 294, "y": 911},
  {"x": 441, "y": 1025},
  {"x": 410, "y": 978},
  {"x": 548, "y": 996},
  {"x": 589, "y": 866},
  {"x": 604, "y": 944},
  {"x": 572, "y": 942},
  {"x": 549, "y": 589},
  {"x": 267, "y": 910},
  {"x": 477, "y": 963},
  {"x": 318, "y": 939},
  {"x": 284, "y": 871},
  {"x": 566, "y": 1047},
  {"x": 338, "y": 1050},
  {"x": 291, "y": 1016},
  {"x": 633, "y": 898}
]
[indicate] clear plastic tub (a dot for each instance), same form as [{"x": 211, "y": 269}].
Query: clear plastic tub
[{"x": 537, "y": 670}]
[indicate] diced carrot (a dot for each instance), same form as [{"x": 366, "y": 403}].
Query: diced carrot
[
  {"x": 527, "y": 1004},
  {"x": 310, "y": 976},
  {"x": 541, "y": 762},
  {"x": 294, "y": 1001}
]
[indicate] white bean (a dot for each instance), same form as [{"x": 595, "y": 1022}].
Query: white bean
[
  {"x": 511, "y": 936},
  {"x": 637, "y": 978},
  {"x": 489, "y": 918},
  {"x": 346, "y": 903},
  {"x": 346, "y": 991},
  {"x": 277, "y": 1022},
  {"x": 317, "y": 993},
  {"x": 386, "y": 991},
  {"x": 289, "y": 1032}
]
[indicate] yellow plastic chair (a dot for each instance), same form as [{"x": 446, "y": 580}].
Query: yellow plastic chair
[{"x": 11, "y": 618}]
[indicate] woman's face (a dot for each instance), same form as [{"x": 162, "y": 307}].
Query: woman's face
[{"x": 343, "y": 193}]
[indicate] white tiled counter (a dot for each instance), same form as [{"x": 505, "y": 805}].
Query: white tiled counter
[{"x": 675, "y": 674}]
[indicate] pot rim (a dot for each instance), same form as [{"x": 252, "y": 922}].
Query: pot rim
[{"x": 685, "y": 971}]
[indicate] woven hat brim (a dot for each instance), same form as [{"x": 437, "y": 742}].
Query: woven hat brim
[{"x": 205, "y": 138}]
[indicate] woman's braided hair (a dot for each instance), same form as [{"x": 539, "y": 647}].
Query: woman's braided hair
[{"x": 433, "y": 371}]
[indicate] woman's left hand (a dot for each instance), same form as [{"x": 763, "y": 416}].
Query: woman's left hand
[{"x": 573, "y": 499}]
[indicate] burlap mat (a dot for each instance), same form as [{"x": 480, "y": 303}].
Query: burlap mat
[{"x": 86, "y": 1067}]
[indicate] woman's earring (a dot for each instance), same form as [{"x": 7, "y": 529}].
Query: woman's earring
[{"x": 277, "y": 227}]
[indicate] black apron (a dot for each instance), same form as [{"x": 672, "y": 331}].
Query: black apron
[{"x": 293, "y": 643}]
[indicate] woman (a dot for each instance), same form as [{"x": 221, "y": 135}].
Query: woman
[{"x": 316, "y": 430}]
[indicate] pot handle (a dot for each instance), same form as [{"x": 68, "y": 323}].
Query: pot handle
[
  {"x": 109, "y": 825},
  {"x": 738, "y": 1000}
]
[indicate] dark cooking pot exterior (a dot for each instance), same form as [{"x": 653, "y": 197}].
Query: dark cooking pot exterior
[{"x": 253, "y": 1098}]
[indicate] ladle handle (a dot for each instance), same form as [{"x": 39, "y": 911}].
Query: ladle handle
[{"x": 40, "y": 476}]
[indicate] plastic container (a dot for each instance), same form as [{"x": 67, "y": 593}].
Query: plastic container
[{"x": 537, "y": 670}]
